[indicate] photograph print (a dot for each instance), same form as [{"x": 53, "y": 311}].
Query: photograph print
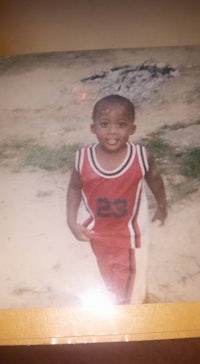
[{"x": 99, "y": 170}]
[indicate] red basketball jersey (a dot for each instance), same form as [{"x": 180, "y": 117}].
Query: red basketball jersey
[{"x": 115, "y": 200}]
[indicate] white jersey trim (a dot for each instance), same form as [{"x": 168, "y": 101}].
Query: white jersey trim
[
  {"x": 79, "y": 160},
  {"x": 142, "y": 156},
  {"x": 130, "y": 223},
  {"x": 92, "y": 223},
  {"x": 122, "y": 168}
]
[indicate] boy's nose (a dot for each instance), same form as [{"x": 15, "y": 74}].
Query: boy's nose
[{"x": 112, "y": 128}]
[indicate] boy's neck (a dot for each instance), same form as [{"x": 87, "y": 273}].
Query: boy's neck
[{"x": 108, "y": 159}]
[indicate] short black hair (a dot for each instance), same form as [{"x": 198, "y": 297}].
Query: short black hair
[{"x": 114, "y": 99}]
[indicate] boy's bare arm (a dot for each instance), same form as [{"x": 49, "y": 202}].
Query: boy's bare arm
[
  {"x": 73, "y": 203},
  {"x": 156, "y": 185}
]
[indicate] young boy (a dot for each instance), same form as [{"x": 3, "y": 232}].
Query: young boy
[{"x": 109, "y": 176}]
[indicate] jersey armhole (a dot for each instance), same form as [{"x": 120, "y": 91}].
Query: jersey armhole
[
  {"x": 143, "y": 158},
  {"x": 79, "y": 160}
]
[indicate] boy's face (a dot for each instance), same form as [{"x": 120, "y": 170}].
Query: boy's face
[{"x": 113, "y": 125}]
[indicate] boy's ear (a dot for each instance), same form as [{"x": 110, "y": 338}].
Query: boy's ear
[{"x": 133, "y": 129}]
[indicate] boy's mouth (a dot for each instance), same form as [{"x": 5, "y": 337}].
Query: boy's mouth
[{"x": 112, "y": 141}]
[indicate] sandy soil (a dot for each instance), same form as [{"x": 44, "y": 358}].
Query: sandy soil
[{"x": 43, "y": 98}]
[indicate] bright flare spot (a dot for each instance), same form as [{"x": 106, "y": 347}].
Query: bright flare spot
[{"x": 98, "y": 302}]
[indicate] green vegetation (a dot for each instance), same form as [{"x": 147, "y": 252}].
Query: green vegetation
[
  {"x": 50, "y": 159},
  {"x": 181, "y": 190},
  {"x": 179, "y": 125},
  {"x": 26, "y": 153},
  {"x": 175, "y": 126},
  {"x": 180, "y": 168},
  {"x": 186, "y": 162},
  {"x": 157, "y": 145},
  {"x": 13, "y": 150},
  {"x": 191, "y": 163}
]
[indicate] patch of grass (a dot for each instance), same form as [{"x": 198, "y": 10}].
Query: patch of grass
[
  {"x": 13, "y": 150},
  {"x": 176, "y": 126},
  {"x": 157, "y": 145},
  {"x": 191, "y": 163},
  {"x": 50, "y": 159},
  {"x": 182, "y": 190},
  {"x": 27, "y": 153},
  {"x": 181, "y": 168},
  {"x": 179, "y": 125}
]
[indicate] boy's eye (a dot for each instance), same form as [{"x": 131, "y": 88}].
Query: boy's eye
[
  {"x": 122, "y": 124},
  {"x": 104, "y": 124}
]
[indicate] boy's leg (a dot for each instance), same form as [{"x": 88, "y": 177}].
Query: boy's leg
[
  {"x": 139, "y": 291},
  {"x": 117, "y": 267},
  {"x": 104, "y": 260},
  {"x": 124, "y": 270}
]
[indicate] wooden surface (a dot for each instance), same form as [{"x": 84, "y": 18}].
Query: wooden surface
[
  {"x": 111, "y": 324},
  {"x": 155, "y": 333}
]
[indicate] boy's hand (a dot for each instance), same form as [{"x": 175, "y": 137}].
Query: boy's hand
[
  {"x": 160, "y": 214},
  {"x": 81, "y": 232}
]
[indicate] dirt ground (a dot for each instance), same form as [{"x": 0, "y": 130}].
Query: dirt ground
[{"x": 44, "y": 98}]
